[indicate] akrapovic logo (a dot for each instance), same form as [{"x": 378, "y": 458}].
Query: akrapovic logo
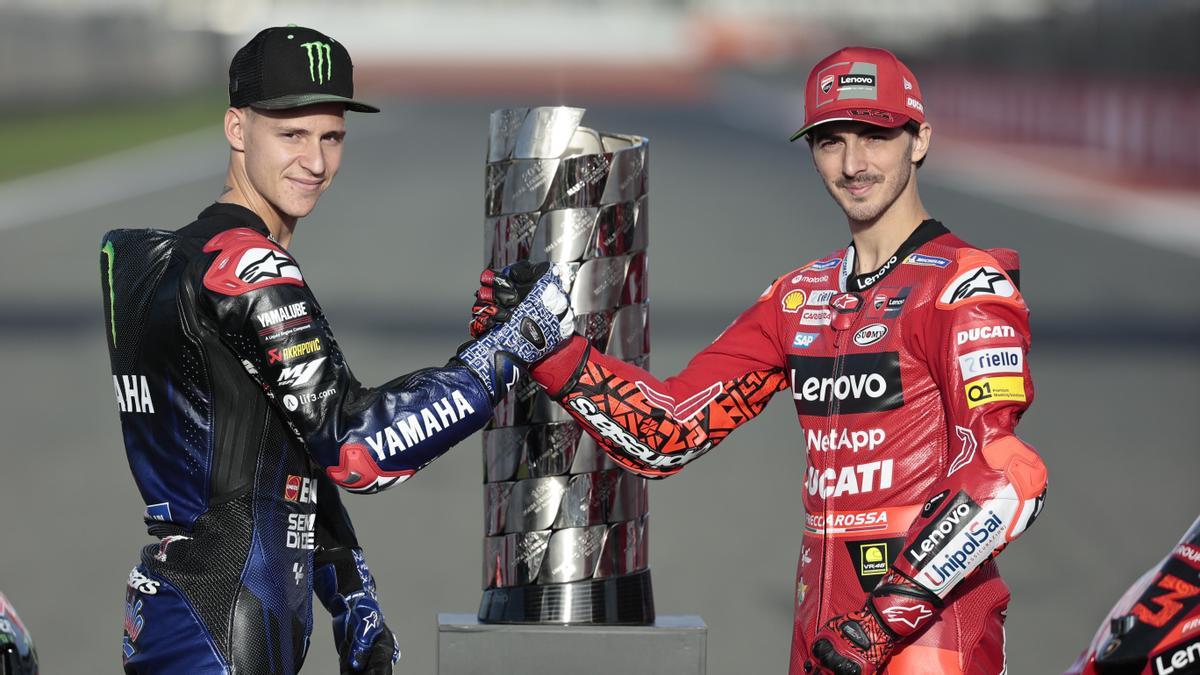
[
  {"x": 320, "y": 65},
  {"x": 863, "y": 383}
]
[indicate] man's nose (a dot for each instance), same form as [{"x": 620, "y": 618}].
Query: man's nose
[
  {"x": 854, "y": 161},
  {"x": 313, "y": 158}
]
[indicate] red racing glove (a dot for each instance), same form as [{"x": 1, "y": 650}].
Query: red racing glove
[{"x": 862, "y": 641}]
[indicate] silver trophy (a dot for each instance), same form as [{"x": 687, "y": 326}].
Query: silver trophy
[{"x": 565, "y": 531}]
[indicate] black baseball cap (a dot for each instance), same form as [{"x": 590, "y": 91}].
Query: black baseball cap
[{"x": 290, "y": 67}]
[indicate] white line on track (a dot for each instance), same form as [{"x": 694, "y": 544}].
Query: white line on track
[
  {"x": 105, "y": 180},
  {"x": 139, "y": 171}
]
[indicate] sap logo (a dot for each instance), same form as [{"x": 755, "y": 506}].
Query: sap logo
[
  {"x": 858, "y": 439},
  {"x": 300, "y": 489},
  {"x": 142, "y": 583},
  {"x": 986, "y": 333},
  {"x": 793, "y": 300},
  {"x": 987, "y": 361},
  {"x": 1178, "y": 661},
  {"x": 406, "y": 432},
  {"x": 971, "y": 546},
  {"x": 850, "y": 480},
  {"x": 820, "y": 298},
  {"x": 804, "y": 340},
  {"x": 815, "y": 317},
  {"x": 301, "y": 528},
  {"x": 952, "y": 520},
  {"x": 133, "y": 394},
  {"x": 623, "y": 440},
  {"x": 926, "y": 260},
  {"x": 307, "y": 348},
  {"x": 865, "y": 383},
  {"x": 991, "y": 389},
  {"x": 869, "y": 335},
  {"x": 279, "y": 315},
  {"x": 300, "y": 374}
]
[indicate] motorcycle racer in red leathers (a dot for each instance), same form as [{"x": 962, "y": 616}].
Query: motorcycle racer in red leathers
[
  {"x": 906, "y": 356},
  {"x": 1154, "y": 629}
]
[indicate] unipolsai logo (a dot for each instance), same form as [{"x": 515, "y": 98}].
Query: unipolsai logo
[{"x": 320, "y": 65}]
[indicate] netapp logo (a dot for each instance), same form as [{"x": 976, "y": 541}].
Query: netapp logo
[
  {"x": 864, "y": 383},
  {"x": 856, "y": 80}
]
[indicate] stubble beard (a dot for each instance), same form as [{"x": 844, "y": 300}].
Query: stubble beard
[{"x": 869, "y": 210}]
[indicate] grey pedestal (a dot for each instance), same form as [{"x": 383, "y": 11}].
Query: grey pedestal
[{"x": 672, "y": 645}]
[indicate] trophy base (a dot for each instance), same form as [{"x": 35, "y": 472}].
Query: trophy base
[{"x": 624, "y": 600}]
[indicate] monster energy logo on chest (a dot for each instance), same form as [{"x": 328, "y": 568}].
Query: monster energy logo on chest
[{"x": 320, "y": 65}]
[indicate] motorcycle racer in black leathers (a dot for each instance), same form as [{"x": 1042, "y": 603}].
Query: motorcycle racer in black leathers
[{"x": 239, "y": 412}]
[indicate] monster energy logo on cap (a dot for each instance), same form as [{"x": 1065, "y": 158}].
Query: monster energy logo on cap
[
  {"x": 269, "y": 71},
  {"x": 321, "y": 50}
]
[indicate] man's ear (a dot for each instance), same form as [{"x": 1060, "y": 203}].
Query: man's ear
[
  {"x": 921, "y": 141},
  {"x": 236, "y": 120}
]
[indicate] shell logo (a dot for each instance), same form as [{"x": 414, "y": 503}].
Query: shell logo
[{"x": 793, "y": 300}]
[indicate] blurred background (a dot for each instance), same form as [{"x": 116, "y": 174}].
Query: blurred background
[{"x": 1063, "y": 128}]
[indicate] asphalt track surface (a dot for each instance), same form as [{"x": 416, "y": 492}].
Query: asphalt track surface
[{"x": 393, "y": 251}]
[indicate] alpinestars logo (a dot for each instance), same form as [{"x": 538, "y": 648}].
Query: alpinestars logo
[
  {"x": 909, "y": 615},
  {"x": 264, "y": 263},
  {"x": 980, "y": 281},
  {"x": 320, "y": 65},
  {"x": 300, "y": 374}
]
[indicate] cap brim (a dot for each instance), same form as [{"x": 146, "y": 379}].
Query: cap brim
[
  {"x": 876, "y": 118},
  {"x": 301, "y": 100}
]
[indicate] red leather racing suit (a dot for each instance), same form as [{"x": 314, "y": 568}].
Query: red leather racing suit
[{"x": 908, "y": 382}]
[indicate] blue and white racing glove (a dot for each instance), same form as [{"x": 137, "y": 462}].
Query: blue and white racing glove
[
  {"x": 345, "y": 586},
  {"x": 533, "y": 323}
]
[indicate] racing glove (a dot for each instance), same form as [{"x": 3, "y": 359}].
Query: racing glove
[
  {"x": 346, "y": 588},
  {"x": 862, "y": 641},
  {"x": 522, "y": 316}
]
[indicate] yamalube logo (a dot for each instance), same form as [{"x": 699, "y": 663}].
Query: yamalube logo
[{"x": 869, "y": 335}]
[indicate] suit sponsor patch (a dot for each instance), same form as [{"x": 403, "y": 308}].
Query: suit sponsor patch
[
  {"x": 865, "y": 383},
  {"x": 248, "y": 261}
]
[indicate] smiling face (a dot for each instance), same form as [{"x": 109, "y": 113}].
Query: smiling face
[
  {"x": 866, "y": 168},
  {"x": 289, "y": 156}
]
